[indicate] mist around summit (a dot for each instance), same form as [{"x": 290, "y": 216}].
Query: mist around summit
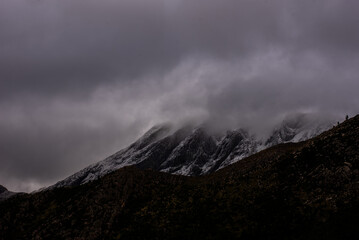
[{"x": 80, "y": 80}]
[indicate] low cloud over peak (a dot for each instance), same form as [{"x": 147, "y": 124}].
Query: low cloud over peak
[{"x": 81, "y": 79}]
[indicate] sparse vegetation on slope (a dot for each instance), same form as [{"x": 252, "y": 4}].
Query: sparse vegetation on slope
[{"x": 308, "y": 190}]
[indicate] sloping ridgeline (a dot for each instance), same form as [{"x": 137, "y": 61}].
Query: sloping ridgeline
[{"x": 307, "y": 190}]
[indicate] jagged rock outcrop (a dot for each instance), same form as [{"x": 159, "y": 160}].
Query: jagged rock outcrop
[
  {"x": 296, "y": 128},
  {"x": 193, "y": 151}
]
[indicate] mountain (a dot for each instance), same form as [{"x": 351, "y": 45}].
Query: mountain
[
  {"x": 306, "y": 190},
  {"x": 193, "y": 151},
  {"x": 296, "y": 128},
  {"x": 4, "y": 193}
]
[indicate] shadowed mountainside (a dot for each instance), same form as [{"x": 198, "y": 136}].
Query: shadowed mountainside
[
  {"x": 4, "y": 193},
  {"x": 307, "y": 190}
]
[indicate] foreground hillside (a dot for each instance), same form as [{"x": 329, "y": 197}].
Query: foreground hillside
[{"x": 307, "y": 190}]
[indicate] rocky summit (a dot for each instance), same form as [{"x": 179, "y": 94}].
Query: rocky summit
[
  {"x": 305, "y": 190},
  {"x": 195, "y": 151}
]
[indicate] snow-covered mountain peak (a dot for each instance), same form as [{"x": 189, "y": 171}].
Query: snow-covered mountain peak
[
  {"x": 154, "y": 134},
  {"x": 191, "y": 150},
  {"x": 296, "y": 128},
  {"x": 191, "y": 154}
]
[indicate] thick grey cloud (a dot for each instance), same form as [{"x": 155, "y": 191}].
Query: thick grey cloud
[{"x": 81, "y": 79}]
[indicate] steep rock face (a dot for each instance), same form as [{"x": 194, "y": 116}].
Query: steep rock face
[
  {"x": 194, "y": 151},
  {"x": 297, "y": 128},
  {"x": 155, "y": 154},
  {"x": 135, "y": 153},
  {"x": 234, "y": 146},
  {"x": 191, "y": 154},
  {"x": 245, "y": 146}
]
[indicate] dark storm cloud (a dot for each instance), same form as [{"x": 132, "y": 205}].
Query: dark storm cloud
[
  {"x": 57, "y": 46},
  {"x": 81, "y": 79}
]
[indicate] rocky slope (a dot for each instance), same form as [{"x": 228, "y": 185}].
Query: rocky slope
[
  {"x": 193, "y": 151},
  {"x": 306, "y": 190},
  {"x": 5, "y": 194}
]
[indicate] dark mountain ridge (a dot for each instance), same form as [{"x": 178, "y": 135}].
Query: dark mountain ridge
[
  {"x": 306, "y": 190},
  {"x": 2, "y": 189},
  {"x": 4, "y": 193}
]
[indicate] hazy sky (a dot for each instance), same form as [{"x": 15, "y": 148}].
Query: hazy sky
[{"x": 81, "y": 79}]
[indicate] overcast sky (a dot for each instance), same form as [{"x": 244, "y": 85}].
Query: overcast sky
[{"x": 81, "y": 79}]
